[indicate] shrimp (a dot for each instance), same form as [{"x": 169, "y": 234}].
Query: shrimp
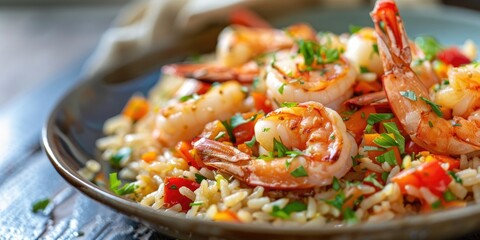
[
  {"x": 461, "y": 91},
  {"x": 361, "y": 51},
  {"x": 241, "y": 52},
  {"x": 315, "y": 133},
  {"x": 185, "y": 120},
  {"x": 288, "y": 79},
  {"x": 420, "y": 117}
]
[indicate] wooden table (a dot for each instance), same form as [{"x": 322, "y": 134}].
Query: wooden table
[{"x": 35, "y": 75}]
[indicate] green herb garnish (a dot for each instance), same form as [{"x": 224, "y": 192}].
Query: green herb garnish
[
  {"x": 385, "y": 141},
  {"x": 115, "y": 184},
  {"x": 251, "y": 142},
  {"x": 354, "y": 28},
  {"x": 199, "y": 178},
  {"x": 219, "y": 135},
  {"x": 436, "y": 108},
  {"x": 121, "y": 155},
  {"x": 198, "y": 203},
  {"x": 388, "y": 157},
  {"x": 372, "y": 178},
  {"x": 392, "y": 128},
  {"x": 285, "y": 212},
  {"x": 335, "y": 184},
  {"x": 455, "y": 177},
  {"x": 40, "y": 205},
  {"x": 429, "y": 45},
  {"x": 299, "y": 172},
  {"x": 289, "y": 104},
  {"x": 378, "y": 117},
  {"x": 409, "y": 94},
  {"x": 188, "y": 97}
]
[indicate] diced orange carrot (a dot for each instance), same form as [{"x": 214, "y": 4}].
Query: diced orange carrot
[
  {"x": 261, "y": 102},
  {"x": 357, "y": 122},
  {"x": 226, "y": 216},
  {"x": 352, "y": 195},
  {"x": 149, "y": 156},
  {"x": 406, "y": 177},
  {"x": 452, "y": 162},
  {"x": 136, "y": 108},
  {"x": 244, "y": 148},
  {"x": 184, "y": 150}
]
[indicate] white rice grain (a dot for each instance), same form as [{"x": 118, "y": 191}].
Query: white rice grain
[
  {"x": 113, "y": 141},
  {"x": 245, "y": 216},
  {"x": 311, "y": 208},
  {"x": 235, "y": 198},
  {"x": 299, "y": 217},
  {"x": 392, "y": 173},
  {"x": 263, "y": 216},
  {"x": 428, "y": 195},
  {"x": 211, "y": 212},
  {"x": 118, "y": 124},
  {"x": 257, "y": 203},
  {"x": 458, "y": 190},
  {"x": 466, "y": 173},
  {"x": 281, "y": 203},
  {"x": 413, "y": 191},
  {"x": 257, "y": 192},
  {"x": 407, "y": 162},
  {"x": 192, "y": 212},
  {"x": 371, "y": 166},
  {"x": 323, "y": 208},
  {"x": 148, "y": 200},
  {"x": 187, "y": 193},
  {"x": 317, "y": 221},
  {"x": 207, "y": 173},
  {"x": 93, "y": 166},
  {"x": 386, "y": 167},
  {"x": 373, "y": 199}
]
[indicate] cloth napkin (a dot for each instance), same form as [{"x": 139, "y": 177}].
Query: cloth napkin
[{"x": 145, "y": 24}]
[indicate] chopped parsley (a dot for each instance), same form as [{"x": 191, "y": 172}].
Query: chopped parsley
[
  {"x": 279, "y": 148},
  {"x": 313, "y": 53},
  {"x": 409, "y": 94},
  {"x": 289, "y": 104},
  {"x": 349, "y": 215},
  {"x": 436, "y": 108},
  {"x": 448, "y": 196},
  {"x": 299, "y": 172},
  {"x": 372, "y": 148},
  {"x": 375, "y": 48},
  {"x": 188, "y": 97},
  {"x": 429, "y": 45},
  {"x": 220, "y": 135},
  {"x": 234, "y": 122},
  {"x": 281, "y": 88},
  {"x": 121, "y": 155},
  {"x": 437, "y": 204},
  {"x": 455, "y": 124},
  {"x": 285, "y": 212},
  {"x": 338, "y": 201},
  {"x": 455, "y": 177},
  {"x": 251, "y": 142},
  {"x": 392, "y": 128},
  {"x": 364, "y": 69},
  {"x": 198, "y": 203},
  {"x": 378, "y": 117},
  {"x": 372, "y": 178},
  {"x": 266, "y": 129},
  {"x": 354, "y": 159},
  {"x": 388, "y": 157},
  {"x": 335, "y": 184},
  {"x": 385, "y": 176},
  {"x": 125, "y": 189},
  {"x": 40, "y": 205},
  {"x": 173, "y": 187},
  {"x": 386, "y": 141},
  {"x": 430, "y": 124},
  {"x": 354, "y": 28},
  {"x": 199, "y": 178}
]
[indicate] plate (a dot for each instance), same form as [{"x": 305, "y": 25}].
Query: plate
[{"x": 76, "y": 122}]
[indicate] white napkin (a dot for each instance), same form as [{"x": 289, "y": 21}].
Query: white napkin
[{"x": 145, "y": 24}]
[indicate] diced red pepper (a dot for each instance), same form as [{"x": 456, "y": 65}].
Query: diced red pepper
[
  {"x": 357, "y": 122},
  {"x": 433, "y": 177},
  {"x": 136, "y": 108},
  {"x": 173, "y": 195},
  {"x": 453, "y": 56},
  {"x": 452, "y": 162},
  {"x": 430, "y": 175},
  {"x": 184, "y": 150},
  {"x": 262, "y": 103}
]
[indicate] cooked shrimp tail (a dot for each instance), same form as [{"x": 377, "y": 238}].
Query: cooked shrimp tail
[
  {"x": 408, "y": 96},
  {"x": 319, "y": 149}
]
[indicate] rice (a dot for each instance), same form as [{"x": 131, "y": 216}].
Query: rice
[{"x": 218, "y": 196}]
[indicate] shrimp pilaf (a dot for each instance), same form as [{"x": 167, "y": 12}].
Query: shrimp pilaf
[{"x": 295, "y": 126}]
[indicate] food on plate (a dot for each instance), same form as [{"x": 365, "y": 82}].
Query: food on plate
[{"x": 297, "y": 127}]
